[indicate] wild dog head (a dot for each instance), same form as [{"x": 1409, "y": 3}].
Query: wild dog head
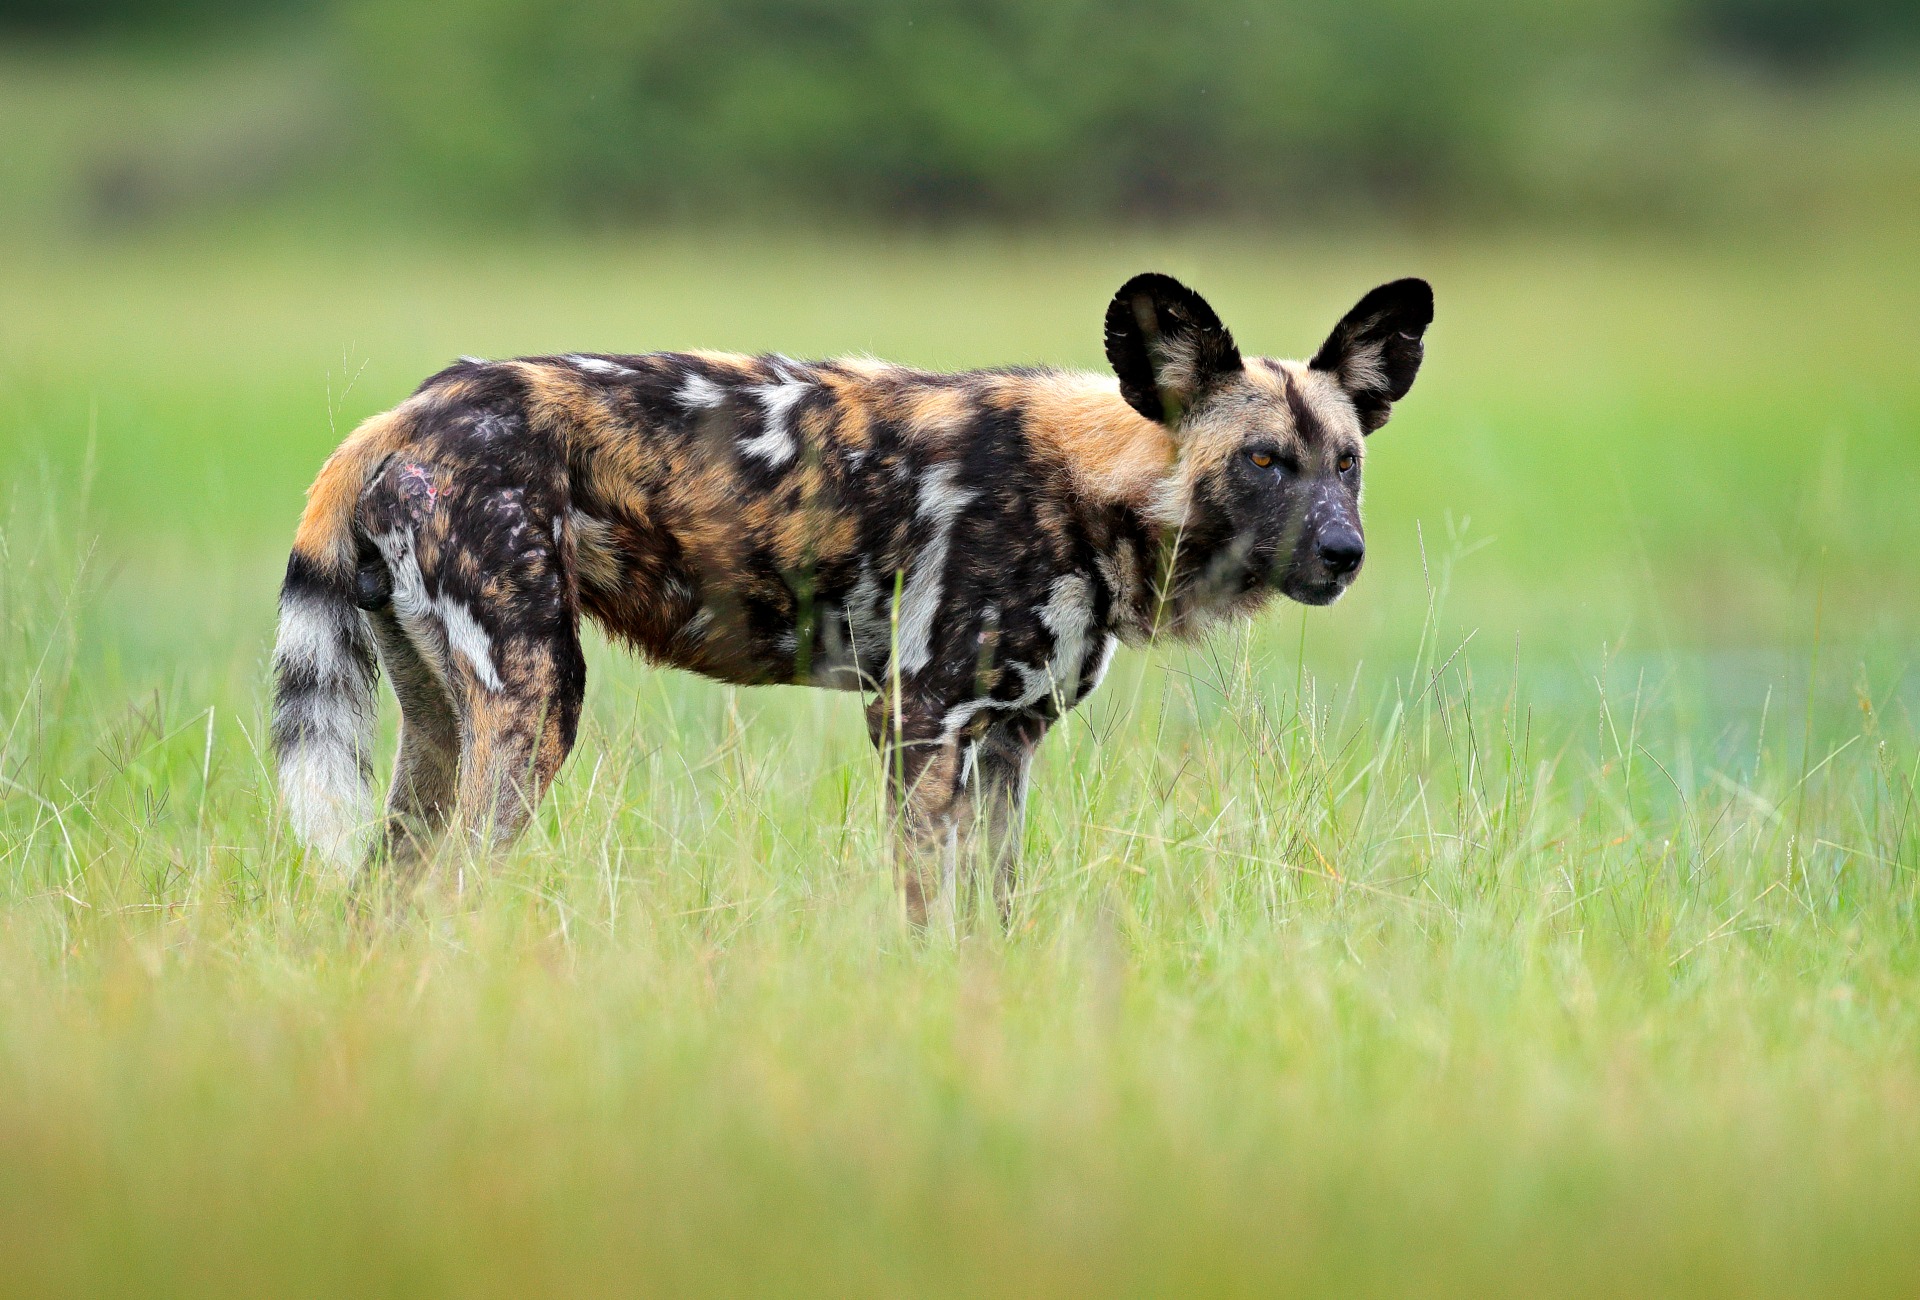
[{"x": 1268, "y": 480}]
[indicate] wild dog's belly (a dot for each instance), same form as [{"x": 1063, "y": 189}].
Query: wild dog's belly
[
  {"x": 742, "y": 617},
  {"x": 841, "y": 625}
]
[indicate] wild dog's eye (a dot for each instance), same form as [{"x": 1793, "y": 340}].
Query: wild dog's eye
[
  {"x": 1263, "y": 459},
  {"x": 1345, "y": 463}
]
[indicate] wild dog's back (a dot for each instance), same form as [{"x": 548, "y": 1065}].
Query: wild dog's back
[{"x": 750, "y": 518}]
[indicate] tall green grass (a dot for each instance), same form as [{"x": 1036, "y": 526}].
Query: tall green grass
[{"x": 1542, "y": 919}]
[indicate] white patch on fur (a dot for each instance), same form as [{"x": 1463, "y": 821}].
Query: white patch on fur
[
  {"x": 940, "y": 497},
  {"x": 327, "y": 797},
  {"x": 941, "y": 501},
  {"x": 410, "y": 603},
  {"x": 675, "y": 589},
  {"x": 700, "y": 394},
  {"x": 436, "y": 626},
  {"x": 1102, "y": 662},
  {"x": 310, "y": 635},
  {"x": 473, "y": 361},
  {"x": 599, "y": 366},
  {"x": 1363, "y": 368},
  {"x": 776, "y": 444},
  {"x": 961, "y": 714},
  {"x": 466, "y": 637},
  {"x": 697, "y": 627},
  {"x": 323, "y": 771},
  {"x": 1169, "y": 503},
  {"x": 1068, "y": 615}
]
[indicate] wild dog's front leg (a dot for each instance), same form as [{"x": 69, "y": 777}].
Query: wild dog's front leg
[
  {"x": 956, "y": 794},
  {"x": 927, "y": 799},
  {"x": 1000, "y": 762}
]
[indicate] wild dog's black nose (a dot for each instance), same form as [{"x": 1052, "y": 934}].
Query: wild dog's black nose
[{"x": 1341, "y": 551}]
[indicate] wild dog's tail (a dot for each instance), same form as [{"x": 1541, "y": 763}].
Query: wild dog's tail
[{"x": 324, "y": 667}]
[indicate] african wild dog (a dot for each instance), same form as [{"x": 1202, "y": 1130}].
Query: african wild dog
[{"x": 965, "y": 549}]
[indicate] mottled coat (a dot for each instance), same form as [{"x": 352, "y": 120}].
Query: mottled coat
[{"x": 965, "y": 549}]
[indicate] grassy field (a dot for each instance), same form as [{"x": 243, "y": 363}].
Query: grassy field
[{"x": 1541, "y": 919}]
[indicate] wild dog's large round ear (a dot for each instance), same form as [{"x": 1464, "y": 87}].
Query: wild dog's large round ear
[
  {"x": 1167, "y": 346},
  {"x": 1376, "y": 348}
]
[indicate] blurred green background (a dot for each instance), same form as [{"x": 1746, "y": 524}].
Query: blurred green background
[
  {"x": 1671, "y": 400},
  {"x": 127, "y": 112},
  {"x": 1608, "y": 985},
  {"x": 1671, "y": 404}
]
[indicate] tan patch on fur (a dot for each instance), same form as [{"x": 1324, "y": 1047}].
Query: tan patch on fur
[
  {"x": 1331, "y": 407},
  {"x": 737, "y": 363},
  {"x": 937, "y": 413},
  {"x": 811, "y": 427},
  {"x": 1112, "y": 451},
  {"x": 325, "y": 534},
  {"x": 709, "y": 521},
  {"x": 853, "y": 427},
  {"x": 456, "y": 389},
  {"x": 809, "y": 530},
  {"x": 595, "y": 559},
  {"x": 866, "y": 367},
  {"x": 559, "y": 400},
  {"x": 806, "y": 537}
]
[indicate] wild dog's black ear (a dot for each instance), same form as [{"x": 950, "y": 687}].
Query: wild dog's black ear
[
  {"x": 1375, "y": 350},
  {"x": 1166, "y": 345}
]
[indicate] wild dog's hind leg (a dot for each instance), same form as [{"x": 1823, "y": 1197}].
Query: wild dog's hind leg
[
  {"x": 518, "y": 733},
  {"x": 518, "y": 671},
  {"x": 427, "y": 768},
  {"x": 475, "y": 544}
]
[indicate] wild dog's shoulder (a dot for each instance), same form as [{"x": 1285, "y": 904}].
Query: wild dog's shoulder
[
  {"x": 1072, "y": 417},
  {"x": 1078, "y": 422}
]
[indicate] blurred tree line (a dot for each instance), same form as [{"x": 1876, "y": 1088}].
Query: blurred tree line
[{"x": 1003, "y": 108}]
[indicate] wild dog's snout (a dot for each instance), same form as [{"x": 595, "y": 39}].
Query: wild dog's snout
[{"x": 1341, "y": 548}]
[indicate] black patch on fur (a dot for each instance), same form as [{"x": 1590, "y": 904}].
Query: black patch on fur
[
  {"x": 1152, "y": 319},
  {"x": 372, "y": 583},
  {"x": 305, "y": 578},
  {"x": 1305, "y": 422}
]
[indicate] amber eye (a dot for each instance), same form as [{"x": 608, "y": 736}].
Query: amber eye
[
  {"x": 1264, "y": 459},
  {"x": 1345, "y": 463}
]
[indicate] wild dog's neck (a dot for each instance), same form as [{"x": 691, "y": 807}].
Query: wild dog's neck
[
  {"x": 1170, "y": 576},
  {"x": 1115, "y": 456},
  {"x": 1175, "y": 582}
]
